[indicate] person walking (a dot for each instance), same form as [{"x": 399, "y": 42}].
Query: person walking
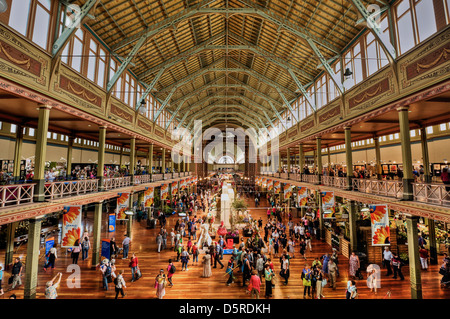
[
  {"x": 170, "y": 272},
  {"x": 16, "y": 273},
  {"x": 255, "y": 285},
  {"x": 423, "y": 252},
  {"x": 217, "y": 252},
  {"x": 184, "y": 259},
  {"x": 76, "y": 251},
  {"x": 119, "y": 284},
  {"x": 353, "y": 265},
  {"x": 105, "y": 269},
  {"x": 1, "y": 278},
  {"x": 397, "y": 266},
  {"x": 302, "y": 245},
  {"x": 52, "y": 256},
  {"x": 332, "y": 268},
  {"x": 51, "y": 286},
  {"x": 207, "y": 265},
  {"x": 387, "y": 257},
  {"x": 160, "y": 284},
  {"x": 159, "y": 242},
  {"x": 134, "y": 266},
  {"x": 85, "y": 246},
  {"x": 306, "y": 279},
  {"x": 194, "y": 253},
  {"x": 113, "y": 249},
  {"x": 318, "y": 275},
  {"x": 126, "y": 246},
  {"x": 268, "y": 276},
  {"x": 352, "y": 291}
]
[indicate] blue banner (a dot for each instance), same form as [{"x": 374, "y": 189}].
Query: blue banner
[
  {"x": 112, "y": 223},
  {"x": 105, "y": 249},
  {"x": 49, "y": 242}
]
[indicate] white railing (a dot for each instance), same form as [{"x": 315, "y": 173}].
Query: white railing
[
  {"x": 294, "y": 177},
  {"x": 116, "y": 182},
  {"x": 16, "y": 194},
  {"x": 284, "y": 175},
  {"x": 378, "y": 187},
  {"x": 157, "y": 177},
  {"x": 68, "y": 188},
  {"x": 309, "y": 178},
  {"x": 141, "y": 179},
  {"x": 176, "y": 175},
  {"x": 432, "y": 193},
  {"x": 339, "y": 182}
]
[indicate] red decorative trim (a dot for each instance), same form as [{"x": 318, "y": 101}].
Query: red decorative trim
[
  {"x": 19, "y": 59},
  {"x": 74, "y": 88},
  {"x": 121, "y": 113},
  {"x": 428, "y": 62},
  {"x": 307, "y": 126},
  {"x": 330, "y": 114},
  {"x": 373, "y": 91}
]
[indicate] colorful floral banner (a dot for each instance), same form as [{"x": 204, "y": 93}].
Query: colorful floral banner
[
  {"x": 182, "y": 184},
  {"x": 71, "y": 230},
  {"x": 257, "y": 181},
  {"x": 269, "y": 185},
  {"x": 174, "y": 187},
  {"x": 149, "y": 197},
  {"x": 302, "y": 195},
  {"x": 287, "y": 191},
  {"x": 379, "y": 217},
  {"x": 164, "y": 191},
  {"x": 328, "y": 205},
  {"x": 122, "y": 205},
  {"x": 277, "y": 187},
  {"x": 264, "y": 182}
]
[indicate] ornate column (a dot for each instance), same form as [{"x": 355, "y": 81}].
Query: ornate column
[
  {"x": 288, "y": 161},
  {"x": 319, "y": 158},
  {"x": 41, "y": 153},
  {"x": 132, "y": 158},
  {"x": 301, "y": 158},
  {"x": 379, "y": 172},
  {"x": 432, "y": 241},
  {"x": 69, "y": 156},
  {"x": 352, "y": 212},
  {"x": 425, "y": 156},
  {"x": 413, "y": 253},
  {"x": 408, "y": 178},
  {"x": 10, "y": 235},
  {"x": 32, "y": 259},
  {"x": 348, "y": 157},
  {"x": 18, "y": 153},
  {"x": 101, "y": 158},
  {"x": 150, "y": 159},
  {"x": 163, "y": 161},
  {"x": 96, "y": 241},
  {"x": 321, "y": 226}
]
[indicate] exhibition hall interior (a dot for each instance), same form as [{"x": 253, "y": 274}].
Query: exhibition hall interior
[{"x": 224, "y": 149}]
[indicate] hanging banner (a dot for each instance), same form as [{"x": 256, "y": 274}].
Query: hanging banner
[
  {"x": 106, "y": 251},
  {"x": 164, "y": 191},
  {"x": 379, "y": 218},
  {"x": 148, "y": 197},
  {"x": 328, "y": 205},
  {"x": 182, "y": 184},
  {"x": 71, "y": 230},
  {"x": 49, "y": 243},
  {"x": 122, "y": 205},
  {"x": 269, "y": 185},
  {"x": 174, "y": 188},
  {"x": 264, "y": 182},
  {"x": 287, "y": 191},
  {"x": 277, "y": 186},
  {"x": 302, "y": 195},
  {"x": 112, "y": 223}
]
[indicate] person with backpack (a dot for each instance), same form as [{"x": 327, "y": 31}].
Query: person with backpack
[
  {"x": 85, "y": 246},
  {"x": 76, "y": 251},
  {"x": 184, "y": 259},
  {"x": 106, "y": 271},
  {"x": 52, "y": 256},
  {"x": 170, "y": 271},
  {"x": 119, "y": 284}
]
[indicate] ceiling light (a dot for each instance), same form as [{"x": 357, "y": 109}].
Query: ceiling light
[
  {"x": 347, "y": 73},
  {"x": 143, "y": 107},
  {"x": 3, "y": 6}
]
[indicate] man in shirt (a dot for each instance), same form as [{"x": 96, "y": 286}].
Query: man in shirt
[
  {"x": 126, "y": 246},
  {"x": 332, "y": 268},
  {"x": 387, "y": 257},
  {"x": 16, "y": 273}
]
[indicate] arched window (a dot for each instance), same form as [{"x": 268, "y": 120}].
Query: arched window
[{"x": 226, "y": 160}]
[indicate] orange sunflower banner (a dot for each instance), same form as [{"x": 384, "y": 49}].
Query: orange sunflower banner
[
  {"x": 122, "y": 205},
  {"x": 174, "y": 187},
  {"x": 71, "y": 225},
  {"x": 164, "y": 191},
  {"x": 277, "y": 187},
  {"x": 269, "y": 185},
  {"x": 287, "y": 191},
  {"x": 379, "y": 217},
  {"x": 302, "y": 194},
  {"x": 148, "y": 197}
]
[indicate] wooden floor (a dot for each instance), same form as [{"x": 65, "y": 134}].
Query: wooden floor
[{"x": 190, "y": 285}]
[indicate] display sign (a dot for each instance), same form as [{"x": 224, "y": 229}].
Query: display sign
[
  {"x": 106, "y": 251},
  {"x": 164, "y": 191},
  {"x": 122, "y": 205},
  {"x": 148, "y": 196},
  {"x": 302, "y": 196},
  {"x": 287, "y": 191},
  {"x": 71, "y": 230},
  {"x": 230, "y": 243},
  {"x": 112, "y": 223},
  {"x": 379, "y": 217},
  {"x": 49, "y": 243}
]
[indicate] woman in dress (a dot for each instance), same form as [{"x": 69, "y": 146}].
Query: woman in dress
[
  {"x": 160, "y": 284},
  {"x": 268, "y": 276},
  {"x": 207, "y": 265},
  {"x": 353, "y": 264},
  {"x": 291, "y": 244}
]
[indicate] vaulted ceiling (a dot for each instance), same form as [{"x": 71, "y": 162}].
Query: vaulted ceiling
[{"x": 226, "y": 61}]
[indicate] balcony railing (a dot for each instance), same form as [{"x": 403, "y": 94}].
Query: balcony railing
[
  {"x": 16, "y": 194},
  {"x": 339, "y": 182},
  {"x": 308, "y": 178},
  {"x": 68, "y": 188},
  {"x": 284, "y": 175},
  {"x": 432, "y": 193},
  {"x": 294, "y": 177},
  {"x": 116, "y": 182},
  {"x": 176, "y": 175},
  {"x": 141, "y": 179},
  {"x": 157, "y": 177},
  {"x": 378, "y": 187}
]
